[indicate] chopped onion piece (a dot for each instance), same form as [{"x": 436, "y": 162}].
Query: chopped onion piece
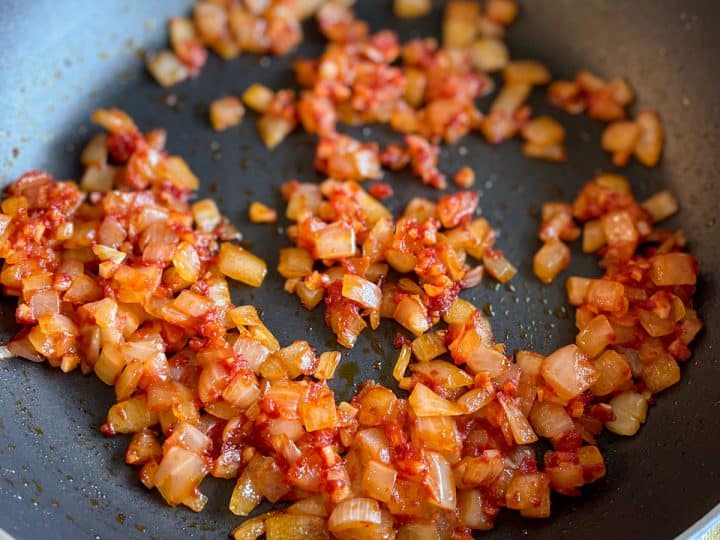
[
  {"x": 673, "y": 269},
  {"x": 630, "y": 410},
  {"x": 661, "y": 206},
  {"x": 568, "y": 371},
  {"x": 226, "y": 112},
  {"x": 402, "y": 363},
  {"x": 241, "y": 265},
  {"x": 286, "y": 526},
  {"x": 550, "y": 260},
  {"x": 362, "y": 291},
  {"x": 179, "y": 474},
  {"x": 167, "y": 69},
  {"x": 410, "y": 9},
  {"x": 489, "y": 54},
  {"x": 522, "y": 431},
  {"x": 550, "y": 420},
  {"x": 378, "y": 481},
  {"x": 354, "y": 514},
  {"x": 425, "y": 402},
  {"x": 613, "y": 373},
  {"x": 595, "y": 336},
  {"x": 458, "y": 27},
  {"x": 440, "y": 481},
  {"x": 335, "y": 242},
  {"x": 412, "y": 314}
]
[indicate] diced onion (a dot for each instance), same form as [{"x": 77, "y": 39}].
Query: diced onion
[
  {"x": 402, "y": 363},
  {"x": 630, "y": 410},
  {"x": 362, "y": 291},
  {"x": 568, "y": 371},
  {"x": 489, "y": 54},
  {"x": 258, "y": 97},
  {"x": 167, "y": 69},
  {"x": 661, "y": 206},
  {"x": 595, "y": 336},
  {"x": 440, "y": 480},
  {"x": 335, "y": 241},
  {"x": 285, "y": 526},
  {"x": 673, "y": 269},
  {"x": 526, "y": 72},
  {"x": 378, "y": 481},
  {"x": 354, "y": 514},
  {"x": 179, "y": 475},
  {"x": 241, "y": 265},
  {"x": 412, "y": 314},
  {"x": 428, "y": 346},
  {"x": 226, "y": 112},
  {"x": 425, "y": 402},
  {"x": 521, "y": 429},
  {"x": 410, "y": 9},
  {"x": 550, "y": 420},
  {"x": 458, "y": 27},
  {"x": 550, "y": 260}
]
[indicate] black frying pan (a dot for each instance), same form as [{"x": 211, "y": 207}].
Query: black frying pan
[{"x": 59, "y": 478}]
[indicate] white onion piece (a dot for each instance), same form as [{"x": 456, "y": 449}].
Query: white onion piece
[
  {"x": 441, "y": 481},
  {"x": 550, "y": 420},
  {"x": 521, "y": 429},
  {"x": 180, "y": 472},
  {"x": 167, "y": 69},
  {"x": 353, "y": 514},
  {"x": 630, "y": 410},
  {"x": 568, "y": 371}
]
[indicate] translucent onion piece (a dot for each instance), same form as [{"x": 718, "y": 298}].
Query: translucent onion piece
[{"x": 354, "y": 514}]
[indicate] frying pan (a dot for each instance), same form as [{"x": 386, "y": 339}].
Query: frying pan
[{"x": 59, "y": 478}]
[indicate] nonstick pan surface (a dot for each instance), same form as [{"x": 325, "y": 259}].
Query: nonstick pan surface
[{"x": 59, "y": 478}]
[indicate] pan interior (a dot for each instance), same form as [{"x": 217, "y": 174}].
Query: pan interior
[{"x": 59, "y": 476}]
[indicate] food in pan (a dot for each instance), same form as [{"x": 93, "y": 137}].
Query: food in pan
[
  {"x": 126, "y": 275},
  {"x": 431, "y": 92}
]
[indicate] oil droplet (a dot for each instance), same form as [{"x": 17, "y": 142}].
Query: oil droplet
[
  {"x": 488, "y": 309},
  {"x": 120, "y": 518},
  {"x": 491, "y": 285},
  {"x": 348, "y": 371},
  {"x": 171, "y": 100}
]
